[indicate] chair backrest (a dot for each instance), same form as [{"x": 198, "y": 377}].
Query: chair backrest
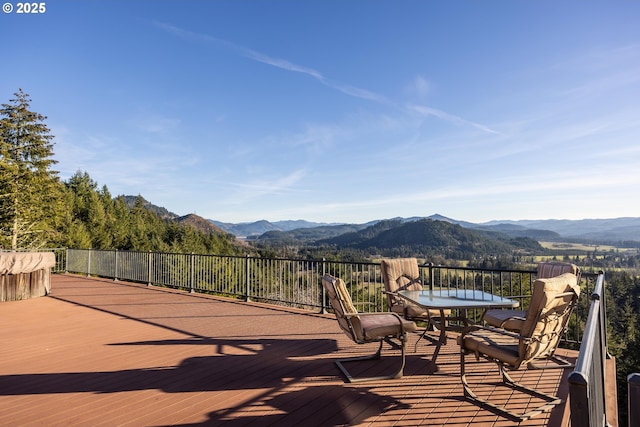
[
  {"x": 400, "y": 274},
  {"x": 343, "y": 307},
  {"x": 552, "y": 269},
  {"x": 551, "y": 304}
]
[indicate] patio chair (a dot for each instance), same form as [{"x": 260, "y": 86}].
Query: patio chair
[
  {"x": 551, "y": 303},
  {"x": 404, "y": 274},
  {"x": 513, "y": 320},
  {"x": 366, "y": 328}
]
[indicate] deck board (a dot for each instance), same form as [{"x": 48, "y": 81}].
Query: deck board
[{"x": 97, "y": 352}]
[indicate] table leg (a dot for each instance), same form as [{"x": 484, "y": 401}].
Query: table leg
[
  {"x": 443, "y": 335},
  {"x": 433, "y": 367}
]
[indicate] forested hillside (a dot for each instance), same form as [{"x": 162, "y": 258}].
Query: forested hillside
[
  {"x": 94, "y": 219},
  {"x": 302, "y": 236},
  {"x": 39, "y": 210},
  {"x": 397, "y": 237}
]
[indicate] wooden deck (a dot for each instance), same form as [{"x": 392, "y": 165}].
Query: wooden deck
[{"x": 102, "y": 353}]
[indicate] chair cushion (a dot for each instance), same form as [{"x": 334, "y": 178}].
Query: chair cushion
[
  {"x": 553, "y": 269},
  {"x": 376, "y": 326},
  {"x": 404, "y": 274},
  {"x": 540, "y": 331},
  {"x": 330, "y": 285},
  {"x": 345, "y": 297},
  {"x": 497, "y": 317},
  {"x": 543, "y": 299},
  {"x": 409, "y": 326},
  {"x": 544, "y": 319},
  {"x": 545, "y": 270},
  {"x": 415, "y": 312},
  {"x": 401, "y": 273},
  {"x": 492, "y": 344}
]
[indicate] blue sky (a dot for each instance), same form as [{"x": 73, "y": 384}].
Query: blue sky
[{"x": 341, "y": 111}]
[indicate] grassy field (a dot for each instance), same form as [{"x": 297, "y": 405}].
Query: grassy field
[{"x": 580, "y": 250}]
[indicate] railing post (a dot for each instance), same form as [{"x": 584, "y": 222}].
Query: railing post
[
  {"x": 191, "y": 274},
  {"x": 604, "y": 315},
  {"x": 633, "y": 399},
  {"x": 323, "y": 310},
  {"x": 247, "y": 297},
  {"x": 579, "y": 402},
  {"x": 115, "y": 273},
  {"x": 149, "y": 269},
  {"x": 66, "y": 261},
  {"x": 89, "y": 263}
]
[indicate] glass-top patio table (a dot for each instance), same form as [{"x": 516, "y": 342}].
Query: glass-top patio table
[{"x": 454, "y": 299}]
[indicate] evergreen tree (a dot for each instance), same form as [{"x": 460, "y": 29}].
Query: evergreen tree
[
  {"x": 31, "y": 203},
  {"x": 120, "y": 224},
  {"x": 90, "y": 207}
]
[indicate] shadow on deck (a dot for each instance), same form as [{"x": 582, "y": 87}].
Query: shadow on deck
[{"x": 98, "y": 352}]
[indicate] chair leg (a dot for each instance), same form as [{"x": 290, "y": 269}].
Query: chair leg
[
  {"x": 559, "y": 363},
  {"x": 377, "y": 355},
  {"x": 427, "y": 337},
  {"x": 550, "y": 401}
]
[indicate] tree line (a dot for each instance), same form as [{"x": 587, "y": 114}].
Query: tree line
[{"x": 38, "y": 209}]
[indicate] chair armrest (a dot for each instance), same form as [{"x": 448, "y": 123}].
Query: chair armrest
[
  {"x": 511, "y": 318},
  {"x": 565, "y": 294},
  {"x": 397, "y": 299},
  {"x": 386, "y": 313}
]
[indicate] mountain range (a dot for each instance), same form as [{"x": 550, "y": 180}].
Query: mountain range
[
  {"x": 593, "y": 230},
  {"x": 601, "y": 230}
]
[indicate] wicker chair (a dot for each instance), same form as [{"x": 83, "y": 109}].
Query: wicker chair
[{"x": 366, "y": 328}]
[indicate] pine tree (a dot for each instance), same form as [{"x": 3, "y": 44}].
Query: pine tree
[{"x": 30, "y": 191}]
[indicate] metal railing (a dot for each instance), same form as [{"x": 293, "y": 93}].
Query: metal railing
[
  {"x": 295, "y": 282},
  {"x": 587, "y": 384},
  {"x": 290, "y": 282}
]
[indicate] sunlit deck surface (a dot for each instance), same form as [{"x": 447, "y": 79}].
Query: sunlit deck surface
[{"x": 102, "y": 353}]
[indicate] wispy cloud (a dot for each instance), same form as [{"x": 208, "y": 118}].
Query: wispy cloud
[
  {"x": 420, "y": 83},
  {"x": 428, "y": 111},
  {"x": 276, "y": 62},
  {"x": 246, "y": 191},
  {"x": 557, "y": 189},
  {"x": 279, "y": 63},
  {"x": 419, "y": 87}
]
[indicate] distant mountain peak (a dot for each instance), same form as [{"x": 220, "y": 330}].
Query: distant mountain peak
[
  {"x": 158, "y": 210},
  {"x": 199, "y": 223},
  {"x": 439, "y": 217}
]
